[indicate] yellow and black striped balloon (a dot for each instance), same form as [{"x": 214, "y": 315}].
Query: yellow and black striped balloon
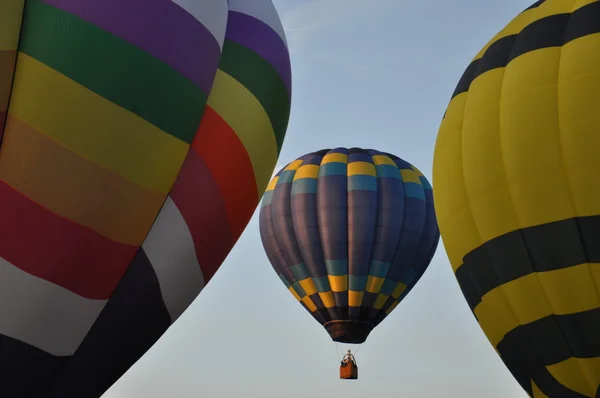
[{"x": 517, "y": 195}]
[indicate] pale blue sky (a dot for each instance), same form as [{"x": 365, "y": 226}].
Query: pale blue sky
[{"x": 379, "y": 74}]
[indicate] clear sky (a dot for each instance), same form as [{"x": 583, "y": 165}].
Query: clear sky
[{"x": 379, "y": 74}]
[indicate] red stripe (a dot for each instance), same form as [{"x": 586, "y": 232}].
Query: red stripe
[
  {"x": 60, "y": 251},
  {"x": 199, "y": 201},
  {"x": 226, "y": 158}
]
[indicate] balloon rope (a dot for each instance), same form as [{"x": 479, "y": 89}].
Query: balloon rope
[{"x": 358, "y": 349}]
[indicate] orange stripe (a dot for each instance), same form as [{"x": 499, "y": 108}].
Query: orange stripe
[
  {"x": 79, "y": 190},
  {"x": 229, "y": 164}
]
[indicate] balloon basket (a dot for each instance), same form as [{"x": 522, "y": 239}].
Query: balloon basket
[{"x": 349, "y": 372}]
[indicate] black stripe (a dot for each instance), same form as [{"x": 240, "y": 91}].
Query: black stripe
[
  {"x": 546, "y": 247},
  {"x": 535, "y": 5},
  {"x": 528, "y": 349},
  {"x": 552, "y": 31},
  {"x": 27, "y": 372},
  {"x": 131, "y": 322}
]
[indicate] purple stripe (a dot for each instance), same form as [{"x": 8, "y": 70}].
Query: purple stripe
[
  {"x": 160, "y": 27},
  {"x": 260, "y": 38}
]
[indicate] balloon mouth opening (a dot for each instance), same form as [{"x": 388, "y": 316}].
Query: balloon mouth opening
[{"x": 349, "y": 332}]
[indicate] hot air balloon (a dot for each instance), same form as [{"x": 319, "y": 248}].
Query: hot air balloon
[
  {"x": 139, "y": 139},
  {"x": 516, "y": 171},
  {"x": 349, "y": 232}
]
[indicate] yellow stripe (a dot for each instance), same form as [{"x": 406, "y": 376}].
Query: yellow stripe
[
  {"x": 355, "y": 298},
  {"x": 338, "y": 283},
  {"x": 391, "y": 307},
  {"x": 293, "y": 166},
  {"x": 410, "y": 176},
  {"x": 309, "y": 303},
  {"x": 536, "y": 296},
  {"x": 380, "y": 301},
  {"x": 273, "y": 183},
  {"x": 327, "y": 299},
  {"x": 374, "y": 284},
  {"x": 308, "y": 285},
  {"x": 400, "y": 288},
  {"x": 361, "y": 168},
  {"x": 307, "y": 171},
  {"x": 578, "y": 374},
  {"x": 11, "y": 15},
  {"x": 334, "y": 157},
  {"x": 74, "y": 188},
  {"x": 296, "y": 296},
  {"x": 245, "y": 115},
  {"x": 383, "y": 159},
  {"x": 95, "y": 128},
  {"x": 551, "y": 7}
]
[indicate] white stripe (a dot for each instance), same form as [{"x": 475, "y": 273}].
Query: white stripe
[
  {"x": 211, "y": 13},
  {"x": 263, "y": 10},
  {"x": 42, "y": 314},
  {"x": 170, "y": 249}
]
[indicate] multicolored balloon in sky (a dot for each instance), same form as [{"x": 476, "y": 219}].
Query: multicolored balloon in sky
[
  {"x": 349, "y": 232},
  {"x": 139, "y": 137},
  {"x": 517, "y": 193}
]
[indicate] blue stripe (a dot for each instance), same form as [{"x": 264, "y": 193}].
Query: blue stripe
[
  {"x": 388, "y": 287},
  {"x": 332, "y": 169},
  {"x": 284, "y": 280},
  {"x": 387, "y": 170},
  {"x": 300, "y": 271},
  {"x": 267, "y": 198},
  {"x": 322, "y": 284},
  {"x": 357, "y": 283},
  {"x": 379, "y": 269},
  {"x": 425, "y": 183},
  {"x": 362, "y": 183},
  {"x": 336, "y": 267},
  {"x": 296, "y": 286},
  {"x": 304, "y": 185},
  {"x": 414, "y": 190},
  {"x": 407, "y": 275},
  {"x": 286, "y": 177}
]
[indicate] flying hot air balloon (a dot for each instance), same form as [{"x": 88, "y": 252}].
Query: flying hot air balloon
[
  {"x": 349, "y": 232},
  {"x": 138, "y": 139},
  {"x": 516, "y": 171}
]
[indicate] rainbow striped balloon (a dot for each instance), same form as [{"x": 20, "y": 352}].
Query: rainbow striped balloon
[{"x": 137, "y": 140}]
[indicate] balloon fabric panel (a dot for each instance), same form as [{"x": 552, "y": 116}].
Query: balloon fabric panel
[
  {"x": 349, "y": 232},
  {"x": 139, "y": 139},
  {"x": 515, "y": 171}
]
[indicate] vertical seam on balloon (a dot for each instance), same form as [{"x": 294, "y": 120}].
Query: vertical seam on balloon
[
  {"x": 520, "y": 230},
  {"x": 374, "y": 240},
  {"x": 381, "y": 312},
  {"x": 330, "y": 311},
  {"x": 572, "y": 198},
  {"x": 3, "y": 130},
  {"x": 399, "y": 243}
]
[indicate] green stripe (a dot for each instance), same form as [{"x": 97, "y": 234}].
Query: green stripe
[
  {"x": 113, "y": 69},
  {"x": 262, "y": 80}
]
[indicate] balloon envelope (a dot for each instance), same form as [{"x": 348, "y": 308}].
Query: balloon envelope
[
  {"x": 516, "y": 171},
  {"x": 139, "y": 138},
  {"x": 349, "y": 232}
]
